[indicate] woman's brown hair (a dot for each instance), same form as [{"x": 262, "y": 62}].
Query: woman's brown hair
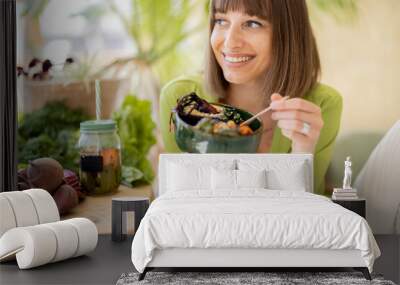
[{"x": 295, "y": 65}]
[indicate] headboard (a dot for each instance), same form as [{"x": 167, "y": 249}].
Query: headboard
[{"x": 211, "y": 159}]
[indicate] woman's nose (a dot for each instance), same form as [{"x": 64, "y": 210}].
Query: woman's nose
[{"x": 233, "y": 38}]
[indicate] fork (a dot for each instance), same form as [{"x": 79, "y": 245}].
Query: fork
[{"x": 260, "y": 113}]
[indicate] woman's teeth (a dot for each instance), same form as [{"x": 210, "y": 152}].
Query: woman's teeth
[{"x": 237, "y": 59}]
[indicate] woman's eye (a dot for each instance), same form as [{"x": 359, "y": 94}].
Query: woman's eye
[
  {"x": 220, "y": 22},
  {"x": 253, "y": 24}
]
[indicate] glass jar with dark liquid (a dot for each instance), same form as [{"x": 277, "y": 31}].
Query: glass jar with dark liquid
[{"x": 100, "y": 157}]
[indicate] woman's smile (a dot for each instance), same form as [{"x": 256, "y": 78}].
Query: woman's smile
[{"x": 236, "y": 60}]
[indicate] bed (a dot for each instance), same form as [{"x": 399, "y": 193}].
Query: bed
[{"x": 246, "y": 211}]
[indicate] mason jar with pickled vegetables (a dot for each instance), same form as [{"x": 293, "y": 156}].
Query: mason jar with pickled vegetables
[{"x": 100, "y": 157}]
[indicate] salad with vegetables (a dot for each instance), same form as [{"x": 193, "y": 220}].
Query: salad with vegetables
[{"x": 211, "y": 118}]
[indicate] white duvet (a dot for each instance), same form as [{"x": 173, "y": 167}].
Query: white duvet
[{"x": 252, "y": 218}]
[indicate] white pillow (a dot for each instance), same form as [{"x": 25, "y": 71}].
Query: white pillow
[
  {"x": 228, "y": 179},
  {"x": 193, "y": 174},
  {"x": 223, "y": 179},
  {"x": 292, "y": 179},
  {"x": 251, "y": 178},
  {"x": 183, "y": 177},
  {"x": 280, "y": 174}
]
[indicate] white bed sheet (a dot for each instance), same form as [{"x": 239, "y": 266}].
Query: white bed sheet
[{"x": 251, "y": 218}]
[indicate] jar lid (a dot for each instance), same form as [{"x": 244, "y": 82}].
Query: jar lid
[{"x": 98, "y": 125}]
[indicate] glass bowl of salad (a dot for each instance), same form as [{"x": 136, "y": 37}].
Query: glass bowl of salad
[{"x": 203, "y": 127}]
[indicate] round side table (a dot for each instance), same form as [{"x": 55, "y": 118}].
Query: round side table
[{"x": 120, "y": 205}]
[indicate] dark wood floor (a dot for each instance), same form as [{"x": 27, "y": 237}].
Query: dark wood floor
[{"x": 110, "y": 260}]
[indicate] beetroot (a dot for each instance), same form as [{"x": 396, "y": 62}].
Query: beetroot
[
  {"x": 72, "y": 179},
  {"x": 45, "y": 173},
  {"x": 66, "y": 198}
]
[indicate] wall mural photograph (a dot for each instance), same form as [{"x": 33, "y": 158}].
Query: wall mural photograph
[{"x": 199, "y": 141}]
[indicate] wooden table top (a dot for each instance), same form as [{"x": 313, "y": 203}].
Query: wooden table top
[{"x": 98, "y": 208}]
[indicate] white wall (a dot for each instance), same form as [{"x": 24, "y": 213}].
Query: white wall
[{"x": 362, "y": 61}]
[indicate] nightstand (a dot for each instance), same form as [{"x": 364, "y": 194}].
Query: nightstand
[
  {"x": 358, "y": 206},
  {"x": 120, "y": 205}
]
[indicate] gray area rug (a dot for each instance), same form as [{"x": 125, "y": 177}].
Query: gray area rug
[{"x": 232, "y": 278}]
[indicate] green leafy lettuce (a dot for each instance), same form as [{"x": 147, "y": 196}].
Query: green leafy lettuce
[{"x": 136, "y": 130}]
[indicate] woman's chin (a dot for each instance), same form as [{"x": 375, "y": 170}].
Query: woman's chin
[{"x": 236, "y": 78}]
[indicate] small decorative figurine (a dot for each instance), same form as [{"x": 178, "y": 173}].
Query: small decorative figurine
[{"x": 347, "y": 174}]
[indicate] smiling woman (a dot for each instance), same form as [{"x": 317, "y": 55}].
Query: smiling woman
[
  {"x": 277, "y": 37},
  {"x": 258, "y": 52}
]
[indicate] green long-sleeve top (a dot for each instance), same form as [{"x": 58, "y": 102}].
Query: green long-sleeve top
[{"x": 328, "y": 99}]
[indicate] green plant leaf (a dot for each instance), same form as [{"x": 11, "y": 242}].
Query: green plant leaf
[
  {"x": 51, "y": 119},
  {"x": 130, "y": 175},
  {"x": 135, "y": 128},
  {"x": 52, "y": 131}
]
